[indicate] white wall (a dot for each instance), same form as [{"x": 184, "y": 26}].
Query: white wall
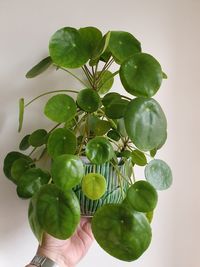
[{"x": 167, "y": 29}]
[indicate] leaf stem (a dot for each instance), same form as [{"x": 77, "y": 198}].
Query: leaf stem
[
  {"x": 72, "y": 74},
  {"x": 50, "y": 92}
]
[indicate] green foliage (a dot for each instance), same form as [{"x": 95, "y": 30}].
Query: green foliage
[
  {"x": 94, "y": 185},
  {"x": 97, "y": 138}
]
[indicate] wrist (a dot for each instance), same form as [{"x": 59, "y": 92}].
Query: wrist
[{"x": 52, "y": 255}]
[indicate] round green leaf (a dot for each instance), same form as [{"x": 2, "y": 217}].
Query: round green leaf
[
  {"x": 142, "y": 196},
  {"x": 33, "y": 220},
  {"x": 19, "y": 166},
  {"x": 68, "y": 49},
  {"x": 38, "y": 138},
  {"x": 106, "y": 82},
  {"x": 58, "y": 212},
  {"x": 123, "y": 45},
  {"x": 99, "y": 150},
  {"x": 101, "y": 127},
  {"x": 141, "y": 75},
  {"x": 109, "y": 98},
  {"x": 91, "y": 37},
  {"x": 24, "y": 144},
  {"x": 113, "y": 134},
  {"x": 159, "y": 174},
  {"x": 39, "y": 68},
  {"x": 61, "y": 141},
  {"x": 60, "y": 108},
  {"x": 121, "y": 232},
  {"x": 88, "y": 100},
  {"x": 10, "y": 158},
  {"x": 31, "y": 181},
  {"x": 138, "y": 157},
  {"x": 116, "y": 109},
  {"x": 145, "y": 123},
  {"x": 67, "y": 171},
  {"x": 94, "y": 185}
]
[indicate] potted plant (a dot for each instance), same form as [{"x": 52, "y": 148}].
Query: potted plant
[{"x": 97, "y": 139}]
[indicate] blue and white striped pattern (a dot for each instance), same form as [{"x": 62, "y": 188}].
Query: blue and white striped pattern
[{"x": 113, "y": 193}]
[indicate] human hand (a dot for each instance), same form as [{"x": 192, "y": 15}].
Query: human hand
[{"x": 67, "y": 253}]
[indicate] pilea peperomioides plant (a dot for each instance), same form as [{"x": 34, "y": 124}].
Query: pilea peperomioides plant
[{"x": 97, "y": 140}]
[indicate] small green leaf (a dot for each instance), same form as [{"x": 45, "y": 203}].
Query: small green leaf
[
  {"x": 116, "y": 109},
  {"x": 109, "y": 98},
  {"x": 141, "y": 75},
  {"x": 19, "y": 166},
  {"x": 10, "y": 158},
  {"x": 121, "y": 232},
  {"x": 24, "y": 144},
  {"x": 142, "y": 196},
  {"x": 39, "y": 68},
  {"x": 106, "y": 82},
  {"x": 58, "y": 211},
  {"x": 138, "y": 157},
  {"x": 99, "y": 150},
  {"x": 21, "y": 113},
  {"x": 149, "y": 216},
  {"x": 113, "y": 134},
  {"x": 88, "y": 100},
  {"x": 68, "y": 49},
  {"x": 92, "y": 37},
  {"x": 38, "y": 138},
  {"x": 61, "y": 141},
  {"x": 101, "y": 48},
  {"x": 94, "y": 185},
  {"x": 67, "y": 171},
  {"x": 145, "y": 123},
  {"x": 31, "y": 182},
  {"x": 102, "y": 127},
  {"x": 123, "y": 45},
  {"x": 164, "y": 75},
  {"x": 60, "y": 108},
  {"x": 159, "y": 174},
  {"x": 153, "y": 152}
]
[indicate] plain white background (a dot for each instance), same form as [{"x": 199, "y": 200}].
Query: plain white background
[{"x": 169, "y": 30}]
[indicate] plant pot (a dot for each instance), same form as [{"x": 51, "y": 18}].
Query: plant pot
[{"x": 113, "y": 192}]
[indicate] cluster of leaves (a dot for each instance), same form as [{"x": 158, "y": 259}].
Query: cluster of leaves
[{"x": 102, "y": 126}]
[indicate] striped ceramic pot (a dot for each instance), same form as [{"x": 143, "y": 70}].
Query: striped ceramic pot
[{"x": 113, "y": 192}]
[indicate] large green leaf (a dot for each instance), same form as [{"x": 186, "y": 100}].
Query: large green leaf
[
  {"x": 31, "y": 182},
  {"x": 39, "y": 68},
  {"x": 67, "y": 171},
  {"x": 38, "y": 138},
  {"x": 33, "y": 219},
  {"x": 159, "y": 174},
  {"x": 92, "y": 37},
  {"x": 142, "y": 196},
  {"x": 121, "y": 232},
  {"x": 58, "y": 212},
  {"x": 10, "y": 158},
  {"x": 61, "y": 141},
  {"x": 60, "y": 108},
  {"x": 109, "y": 98},
  {"x": 88, "y": 100},
  {"x": 123, "y": 45},
  {"x": 141, "y": 75},
  {"x": 68, "y": 49},
  {"x": 145, "y": 123},
  {"x": 99, "y": 150},
  {"x": 94, "y": 185}
]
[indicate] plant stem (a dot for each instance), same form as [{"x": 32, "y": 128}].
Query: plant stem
[
  {"x": 50, "y": 92},
  {"x": 87, "y": 76},
  {"x": 72, "y": 74}
]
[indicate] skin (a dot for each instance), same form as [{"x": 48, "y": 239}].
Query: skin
[{"x": 67, "y": 253}]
